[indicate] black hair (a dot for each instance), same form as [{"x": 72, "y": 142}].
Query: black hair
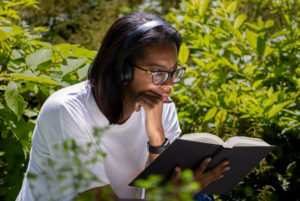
[{"x": 103, "y": 76}]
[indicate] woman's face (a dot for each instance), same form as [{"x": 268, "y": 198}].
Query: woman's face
[{"x": 161, "y": 57}]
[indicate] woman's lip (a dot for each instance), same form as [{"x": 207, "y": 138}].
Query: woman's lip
[{"x": 165, "y": 96}]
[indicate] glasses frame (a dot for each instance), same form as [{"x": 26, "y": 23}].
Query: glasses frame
[{"x": 168, "y": 73}]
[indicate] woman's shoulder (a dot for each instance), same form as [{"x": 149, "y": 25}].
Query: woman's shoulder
[
  {"x": 69, "y": 94},
  {"x": 69, "y": 98}
]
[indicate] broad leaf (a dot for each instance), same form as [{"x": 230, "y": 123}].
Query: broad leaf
[
  {"x": 72, "y": 64},
  {"x": 44, "y": 79},
  {"x": 13, "y": 100},
  {"x": 252, "y": 38},
  {"x": 83, "y": 72},
  {"x": 38, "y": 57}
]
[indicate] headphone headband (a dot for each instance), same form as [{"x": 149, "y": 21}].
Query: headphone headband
[
  {"x": 126, "y": 77},
  {"x": 141, "y": 30}
]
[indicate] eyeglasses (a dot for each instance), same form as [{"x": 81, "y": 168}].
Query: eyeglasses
[{"x": 160, "y": 77}]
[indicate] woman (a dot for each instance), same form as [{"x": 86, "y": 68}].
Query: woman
[{"x": 128, "y": 89}]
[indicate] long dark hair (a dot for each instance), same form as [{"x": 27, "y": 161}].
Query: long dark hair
[{"x": 103, "y": 76}]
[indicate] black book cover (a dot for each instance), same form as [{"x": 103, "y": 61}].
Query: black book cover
[{"x": 189, "y": 154}]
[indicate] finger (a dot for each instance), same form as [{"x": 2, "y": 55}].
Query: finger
[
  {"x": 176, "y": 175},
  {"x": 218, "y": 171},
  {"x": 154, "y": 94},
  {"x": 224, "y": 169},
  {"x": 224, "y": 163},
  {"x": 202, "y": 166},
  {"x": 148, "y": 101}
]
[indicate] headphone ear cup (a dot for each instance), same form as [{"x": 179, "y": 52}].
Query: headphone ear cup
[{"x": 127, "y": 73}]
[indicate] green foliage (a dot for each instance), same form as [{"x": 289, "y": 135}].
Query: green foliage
[
  {"x": 67, "y": 20},
  {"x": 243, "y": 79},
  {"x": 155, "y": 191},
  {"x": 72, "y": 173},
  {"x": 30, "y": 71}
]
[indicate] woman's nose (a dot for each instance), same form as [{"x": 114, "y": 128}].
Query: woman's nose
[{"x": 169, "y": 83}]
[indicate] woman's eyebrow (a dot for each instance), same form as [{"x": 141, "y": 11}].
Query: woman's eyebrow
[{"x": 162, "y": 66}]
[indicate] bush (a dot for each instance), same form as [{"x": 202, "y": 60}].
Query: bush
[
  {"x": 30, "y": 71},
  {"x": 243, "y": 79}
]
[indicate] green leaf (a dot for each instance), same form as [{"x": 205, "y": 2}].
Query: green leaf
[
  {"x": 236, "y": 50},
  {"x": 239, "y": 20},
  {"x": 38, "y": 57},
  {"x": 261, "y": 45},
  {"x": 277, "y": 108},
  {"x": 227, "y": 63},
  {"x": 252, "y": 38},
  {"x": 82, "y": 72},
  {"x": 183, "y": 54},
  {"x": 257, "y": 83},
  {"x": 269, "y": 24},
  {"x": 43, "y": 80},
  {"x": 72, "y": 64},
  {"x": 231, "y": 7},
  {"x": 203, "y": 7},
  {"x": 210, "y": 114},
  {"x": 287, "y": 19},
  {"x": 220, "y": 117},
  {"x": 13, "y": 100},
  {"x": 290, "y": 168},
  {"x": 248, "y": 71},
  {"x": 268, "y": 50}
]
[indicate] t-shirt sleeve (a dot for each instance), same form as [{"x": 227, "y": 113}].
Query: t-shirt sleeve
[
  {"x": 74, "y": 151},
  {"x": 170, "y": 122}
]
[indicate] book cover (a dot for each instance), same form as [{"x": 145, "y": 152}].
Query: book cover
[{"x": 189, "y": 154}]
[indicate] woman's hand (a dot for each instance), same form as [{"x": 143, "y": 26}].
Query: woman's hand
[
  {"x": 204, "y": 178},
  {"x": 153, "y": 105}
]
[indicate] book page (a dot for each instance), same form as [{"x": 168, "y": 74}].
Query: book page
[
  {"x": 203, "y": 137},
  {"x": 241, "y": 141}
]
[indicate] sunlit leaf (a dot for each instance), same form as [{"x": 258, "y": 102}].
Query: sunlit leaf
[
  {"x": 257, "y": 83},
  {"x": 251, "y": 38},
  {"x": 220, "y": 117},
  {"x": 72, "y": 64},
  {"x": 210, "y": 114},
  {"x": 269, "y": 24},
  {"x": 183, "y": 54},
  {"x": 38, "y": 57},
  {"x": 40, "y": 79},
  {"x": 268, "y": 50},
  {"x": 13, "y": 100},
  {"x": 239, "y": 20},
  {"x": 277, "y": 108},
  {"x": 231, "y": 7},
  {"x": 203, "y": 7},
  {"x": 82, "y": 72},
  {"x": 248, "y": 71}
]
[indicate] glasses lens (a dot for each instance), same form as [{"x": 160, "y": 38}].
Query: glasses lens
[
  {"x": 177, "y": 75},
  {"x": 159, "y": 77}
]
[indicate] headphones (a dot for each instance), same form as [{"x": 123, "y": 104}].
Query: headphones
[{"x": 124, "y": 70}]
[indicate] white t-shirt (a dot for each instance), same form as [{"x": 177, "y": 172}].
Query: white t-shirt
[{"x": 72, "y": 113}]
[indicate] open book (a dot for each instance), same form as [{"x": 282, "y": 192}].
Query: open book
[{"x": 243, "y": 153}]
